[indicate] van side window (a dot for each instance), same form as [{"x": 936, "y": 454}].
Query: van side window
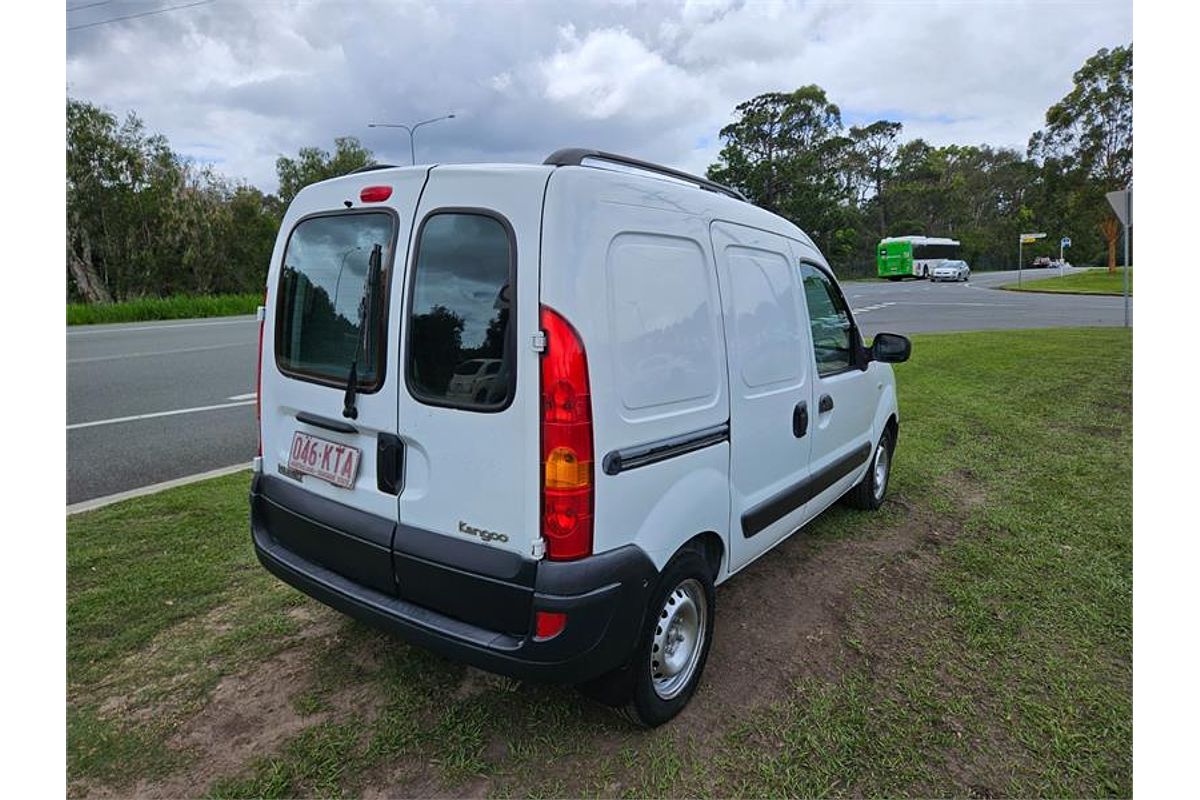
[
  {"x": 460, "y": 342},
  {"x": 830, "y": 321}
]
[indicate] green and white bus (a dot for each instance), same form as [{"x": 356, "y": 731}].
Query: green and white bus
[{"x": 912, "y": 256}]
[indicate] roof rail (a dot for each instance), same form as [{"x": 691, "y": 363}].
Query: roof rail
[
  {"x": 574, "y": 156},
  {"x": 370, "y": 168}
]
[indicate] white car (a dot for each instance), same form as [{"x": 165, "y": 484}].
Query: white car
[
  {"x": 951, "y": 270},
  {"x": 575, "y": 398}
]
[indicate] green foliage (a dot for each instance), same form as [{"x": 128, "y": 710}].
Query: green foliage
[
  {"x": 152, "y": 308},
  {"x": 1086, "y": 150},
  {"x": 788, "y": 153},
  {"x": 314, "y": 164},
  {"x": 1093, "y": 281},
  {"x": 143, "y": 221},
  {"x": 782, "y": 152},
  {"x": 988, "y": 652}
]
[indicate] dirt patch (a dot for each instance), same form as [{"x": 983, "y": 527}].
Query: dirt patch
[
  {"x": 253, "y": 714},
  {"x": 785, "y": 618}
]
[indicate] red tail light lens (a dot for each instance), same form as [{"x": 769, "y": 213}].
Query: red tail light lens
[
  {"x": 567, "y": 491},
  {"x": 548, "y": 624},
  {"x": 375, "y": 194}
]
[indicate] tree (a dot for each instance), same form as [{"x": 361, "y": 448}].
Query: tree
[
  {"x": 1089, "y": 136},
  {"x": 313, "y": 164},
  {"x": 781, "y": 152},
  {"x": 869, "y": 162}
]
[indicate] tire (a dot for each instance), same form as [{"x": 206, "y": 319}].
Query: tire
[
  {"x": 869, "y": 493},
  {"x": 893, "y": 277},
  {"x": 685, "y": 597}
]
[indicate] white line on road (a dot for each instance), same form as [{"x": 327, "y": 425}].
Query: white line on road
[
  {"x": 159, "y": 353},
  {"x": 99, "y": 502},
  {"x": 156, "y": 414},
  {"x": 247, "y": 396},
  {"x": 241, "y": 321}
]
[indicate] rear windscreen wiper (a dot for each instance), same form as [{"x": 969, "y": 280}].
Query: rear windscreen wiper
[{"x": 349, "y": 410}]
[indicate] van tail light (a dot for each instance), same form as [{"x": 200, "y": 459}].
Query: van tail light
[
  {"x": 567, "y": 490},
  {"x": 548, "y": 624},
  {"x": 262, "y": 321}
]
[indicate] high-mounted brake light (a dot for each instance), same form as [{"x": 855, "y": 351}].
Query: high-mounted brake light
[
  {"x": 567, "y": 491},
  {"x": 375, "y": 194}
]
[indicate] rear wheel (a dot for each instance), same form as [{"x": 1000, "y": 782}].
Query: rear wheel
[
  {"x": 664, "y": 671},
  {"x": 869, "y": 493}
]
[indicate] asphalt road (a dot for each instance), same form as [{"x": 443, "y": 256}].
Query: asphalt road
[{"x": 152, "y": 402}]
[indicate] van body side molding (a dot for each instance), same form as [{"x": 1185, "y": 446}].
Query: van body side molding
[
  {"x": 619, "y": 461},
  {"x": 775, "y": 508}
]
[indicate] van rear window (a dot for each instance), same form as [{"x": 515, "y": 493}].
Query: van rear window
[
  {"x": 328, "y": 314},
  {"x": 460, "y": 339}
]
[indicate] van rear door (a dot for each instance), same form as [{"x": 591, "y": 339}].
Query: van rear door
[
  {"x": 470, "y": 376},
  {"x": 334, "y": 302}
]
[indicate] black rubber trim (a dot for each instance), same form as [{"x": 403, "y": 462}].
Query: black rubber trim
[
  {"x": 619, "y": 461},
  {"x": 574, "y": 157},
  {"x": 604, "y": 597},
  {"x": 371, "y": 168},
  {"x": 342, "y": 539},
  {"x": 316, "y": 420},
  {"x": 464, "y": 553},
  {"x": 776, "y": 508}
]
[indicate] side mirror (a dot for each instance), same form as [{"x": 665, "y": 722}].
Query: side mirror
[{"x": 891, "y": 348}]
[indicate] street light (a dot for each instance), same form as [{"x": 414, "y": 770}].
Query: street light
[{"x": 412, "y": 129}]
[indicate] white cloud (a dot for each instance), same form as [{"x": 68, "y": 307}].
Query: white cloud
[
  {"x": 243, "y": 82},
  {"x": 610, "y": 72}
]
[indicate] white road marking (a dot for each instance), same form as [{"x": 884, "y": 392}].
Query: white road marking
[
  {"x": 875, "y": 307},
  {"x": 90, "y": 359},
  {"x": 247, "y": 396},
  {"x": 157, "y": 414},
  {"x": 242, "y": 321},
  {"x": 99, "y": 502}
]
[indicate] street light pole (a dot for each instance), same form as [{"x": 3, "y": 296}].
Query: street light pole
[{"x": 411, "y": 130}]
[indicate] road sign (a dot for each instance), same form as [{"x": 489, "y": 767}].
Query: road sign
[
  {"x": 1122, "y": 205},
  {"x": 1030, "y": 238},
  {"x": 1066, "y": 241}
]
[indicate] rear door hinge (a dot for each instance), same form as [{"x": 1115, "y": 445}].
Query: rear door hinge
[
  {"x": 538, "y": 342},
  {"x": 539, "y": 548}
]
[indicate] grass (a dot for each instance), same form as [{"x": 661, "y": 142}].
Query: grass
[
  {"x": 1093, "y": 281},
  {"x": 994, "y": 661},
  {"x": 156, "y": 308}
]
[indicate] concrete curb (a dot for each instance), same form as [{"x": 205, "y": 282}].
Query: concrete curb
[{"x": 154, "y": 488}]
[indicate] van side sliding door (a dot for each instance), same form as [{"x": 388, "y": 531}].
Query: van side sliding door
[{"x": 770, "y": 391}]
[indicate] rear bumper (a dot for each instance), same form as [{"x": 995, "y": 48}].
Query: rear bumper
[{"x": 462, "y": 583}]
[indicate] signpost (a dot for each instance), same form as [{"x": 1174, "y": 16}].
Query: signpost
[
  {"x": 1026, "y": 238},
  {"x": 1122, "y": 206},
  {"x": 1063, "y": 242}
]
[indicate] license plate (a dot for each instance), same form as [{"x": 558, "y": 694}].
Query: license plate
[{"x": 321, "y": 458}]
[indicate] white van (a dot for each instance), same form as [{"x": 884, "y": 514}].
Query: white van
[{"x": 529, "y": 417}]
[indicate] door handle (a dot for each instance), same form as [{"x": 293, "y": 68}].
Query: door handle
[
  {"x": 800, "y": 419},
  {"x": 389, "y": 463},
  {"x": 825, "y": 404}
]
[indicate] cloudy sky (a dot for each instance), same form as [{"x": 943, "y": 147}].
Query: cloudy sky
[{"x": 236, "y": 83}]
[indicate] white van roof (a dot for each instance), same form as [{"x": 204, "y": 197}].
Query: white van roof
[{"x": 716, "y": 199}]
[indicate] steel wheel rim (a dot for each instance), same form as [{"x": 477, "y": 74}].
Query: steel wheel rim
[
  {"x": 678, "y": 639},
  {"x": 881, "y": 470}
]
